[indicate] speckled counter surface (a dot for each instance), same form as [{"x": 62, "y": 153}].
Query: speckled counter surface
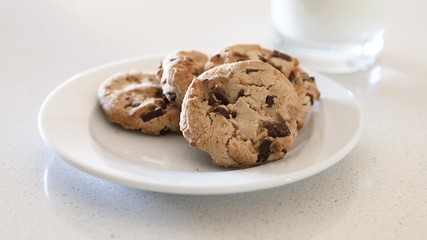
[{"x": 378, "y": 191}]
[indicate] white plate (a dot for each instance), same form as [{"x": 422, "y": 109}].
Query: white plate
[{"x": 71, "y": 122}]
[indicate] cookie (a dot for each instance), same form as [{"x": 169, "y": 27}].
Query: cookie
[
  {"x": 177, "y": 71},
  {"x": 242, "y": 114},
  {"x": 308, "y": 92},
  {"x": 241, "y": 52},
  {"x": 135, "y": 101},
  {"x": 288, "y": 65}
]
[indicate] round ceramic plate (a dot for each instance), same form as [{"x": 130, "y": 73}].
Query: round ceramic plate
[{"x": 72, "y": 123}]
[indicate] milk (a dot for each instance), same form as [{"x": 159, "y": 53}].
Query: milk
[
  {"x": 328, "y": 20},
  {"x": 332, "y": 36}
]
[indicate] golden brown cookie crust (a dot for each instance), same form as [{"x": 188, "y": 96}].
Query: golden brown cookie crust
[
  {"x": 242, "y": 114},
  {"x": 304, "y": 85},
  {"x": 134, "y": 100},
  {"x": 177, "y": 71}
]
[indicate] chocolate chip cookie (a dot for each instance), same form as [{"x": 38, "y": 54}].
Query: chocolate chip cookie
[
  {"x": 135, "y": 100},
  {"x": 177, "y": 71},
  {"x": 306, "y": 88},
  {"x": 288, "y": 65},
  {"x": 241, "y": 52},
  {"x": 242, "y": 114}
]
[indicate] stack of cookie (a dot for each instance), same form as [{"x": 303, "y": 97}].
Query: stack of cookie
[{"x": 243, "y": 105}]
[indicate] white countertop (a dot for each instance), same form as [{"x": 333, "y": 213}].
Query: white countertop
[{"x": 378, "y": 191}]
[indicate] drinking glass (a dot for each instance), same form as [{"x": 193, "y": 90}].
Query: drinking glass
[{"x": 332, "y": 36}]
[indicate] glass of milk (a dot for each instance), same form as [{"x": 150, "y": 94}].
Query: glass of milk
[{"x": 332, "y": 36}]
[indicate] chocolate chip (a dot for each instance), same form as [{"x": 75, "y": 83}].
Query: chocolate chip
[
  {"x": 250, "y": 70},
  {"x": 233, "y": 114},
  {"x": 165, "y": 99},
  {"x": 211, "y": 100},
  {"x": 284, "y": 151},
  {"x": 311, "y": 98},
  {"x": 305, "y": 78},
  {"x": 171, "y": 96},
  {"x": 136, "y": 105},
  {"x": 278, "y": 130},
  {"x": 269, "y": 100},
  {"x": 224, "y": 112},
  {"x": 291, "y": 77},
  {"x": 264, "y": 151},
  {"x": 163, "y": 104},
  {"x": 220, "y": 95},
  {"x": 281, "y": 55},
  {"x": 262, "y": 59},
  {"x": 159, "y": 93},
  {"x": 157, "y": 112},
  {"x": 163, "y": 131},
  {"x": 172, "y": 59},
  {"x": 241, "y": 93}
]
